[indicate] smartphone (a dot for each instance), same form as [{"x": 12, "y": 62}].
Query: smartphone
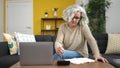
[{"x": 63, "y": 63}]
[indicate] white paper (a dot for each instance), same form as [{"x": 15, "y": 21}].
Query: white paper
[{"x": 80, "y": 60}]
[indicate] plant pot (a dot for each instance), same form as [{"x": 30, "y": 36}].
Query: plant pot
[{"x": 55, "y": 14}]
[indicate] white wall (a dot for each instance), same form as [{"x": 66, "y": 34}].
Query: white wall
[
  {"x": 19, "y": 16},
  {"x": 81, "y": 1},
  {"x": 113, "y": 17},
  {"x": 1, "y": 19}
]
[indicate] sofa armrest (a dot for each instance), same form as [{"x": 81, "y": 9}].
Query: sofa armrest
[{"x": 4, "y": 50}]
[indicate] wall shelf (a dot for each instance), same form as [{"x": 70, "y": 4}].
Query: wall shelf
[{"x": 53, "y": 27}]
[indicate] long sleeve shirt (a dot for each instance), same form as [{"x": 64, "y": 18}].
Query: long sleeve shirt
[{"x": 76, "y": 39}]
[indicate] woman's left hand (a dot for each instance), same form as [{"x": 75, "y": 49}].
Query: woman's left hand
[{"x": 102, "y": 59}]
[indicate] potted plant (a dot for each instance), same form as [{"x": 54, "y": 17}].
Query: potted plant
[
  {"x": 96, "y": 13},
  {"x": 55, "y": 11},
  {"x": 46, "y": 14}
]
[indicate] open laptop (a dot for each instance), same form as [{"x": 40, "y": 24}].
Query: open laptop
[{"x": 36, "y": 53}]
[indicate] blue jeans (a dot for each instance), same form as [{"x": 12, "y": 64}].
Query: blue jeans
[{"x": 67, "y": 55}]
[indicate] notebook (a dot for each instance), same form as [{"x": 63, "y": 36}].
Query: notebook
[{"x": 36, "y": 53}]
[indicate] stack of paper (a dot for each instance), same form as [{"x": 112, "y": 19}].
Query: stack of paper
[{"x": 80, "y": 60}]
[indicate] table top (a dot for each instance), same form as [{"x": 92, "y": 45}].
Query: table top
[{"x": 85, "y": 65}]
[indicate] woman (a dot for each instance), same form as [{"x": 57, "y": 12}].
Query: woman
[{"x": 72, "y": 38}]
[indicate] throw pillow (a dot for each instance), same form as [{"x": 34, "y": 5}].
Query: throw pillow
[
  {"x": 12, "y": 44},
  {"x": 21, "y": 37},
  {"x": 24, "y": 37},
  {"x": 113, "y": 46}
]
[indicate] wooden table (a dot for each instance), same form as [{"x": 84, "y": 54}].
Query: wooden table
[{"x": 86, "y": 65}]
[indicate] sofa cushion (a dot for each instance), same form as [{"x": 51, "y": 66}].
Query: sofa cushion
[
  {"x": 101, "y": 36},
  {"x": 43, "y": 37},
  {"x": 112, "y": 58},
  {"x": 54, "y": 39},
  {"x": 21, "y": 37},
  {"x": 8, "y": 60},
  {"x": 113, "y": 46},
  {"x": 4, "y": 50},
  {"x": 12, "y": 44},
  {"x": 116, "y": 63},
  {"x": 101, "y": 39}
]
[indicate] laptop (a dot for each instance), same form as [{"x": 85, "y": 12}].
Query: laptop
[{"x": 36, "y": 53}]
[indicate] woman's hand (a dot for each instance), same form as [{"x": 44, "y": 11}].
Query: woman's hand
[
  {"x": 59, "y": 50},
  {"x": 102, "y": 59}
]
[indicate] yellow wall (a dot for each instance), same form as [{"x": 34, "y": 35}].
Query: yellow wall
[
  {"x": 4, "y": 16},
  {"x": 41, "y": 6}
]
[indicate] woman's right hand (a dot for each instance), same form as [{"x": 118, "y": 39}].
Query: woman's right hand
[{"x": 60, "y": 50}]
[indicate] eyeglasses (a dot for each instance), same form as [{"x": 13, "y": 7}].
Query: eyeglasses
[{"x": 75, "y": 17}]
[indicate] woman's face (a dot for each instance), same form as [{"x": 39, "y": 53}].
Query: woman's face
[{"x": 75, "y": 19}]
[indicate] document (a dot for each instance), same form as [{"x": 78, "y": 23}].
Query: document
[{"x": 80, "y": 60}]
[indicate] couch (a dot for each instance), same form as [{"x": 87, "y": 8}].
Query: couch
[
  {"x": 7, "y": 60},
  {"x": 102, "y": 41}
]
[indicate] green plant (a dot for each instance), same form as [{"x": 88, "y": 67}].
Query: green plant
[
  {"x": 55, "y": 9},
  {"x": 96, "y": 13},
  {"x": 46, "y": 12}
]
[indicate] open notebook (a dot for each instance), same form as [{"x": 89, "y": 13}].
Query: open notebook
[{"x": 80, "y": 60}]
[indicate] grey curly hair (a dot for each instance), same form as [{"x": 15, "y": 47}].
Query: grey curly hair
[{"x": 69, "y": 13}]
